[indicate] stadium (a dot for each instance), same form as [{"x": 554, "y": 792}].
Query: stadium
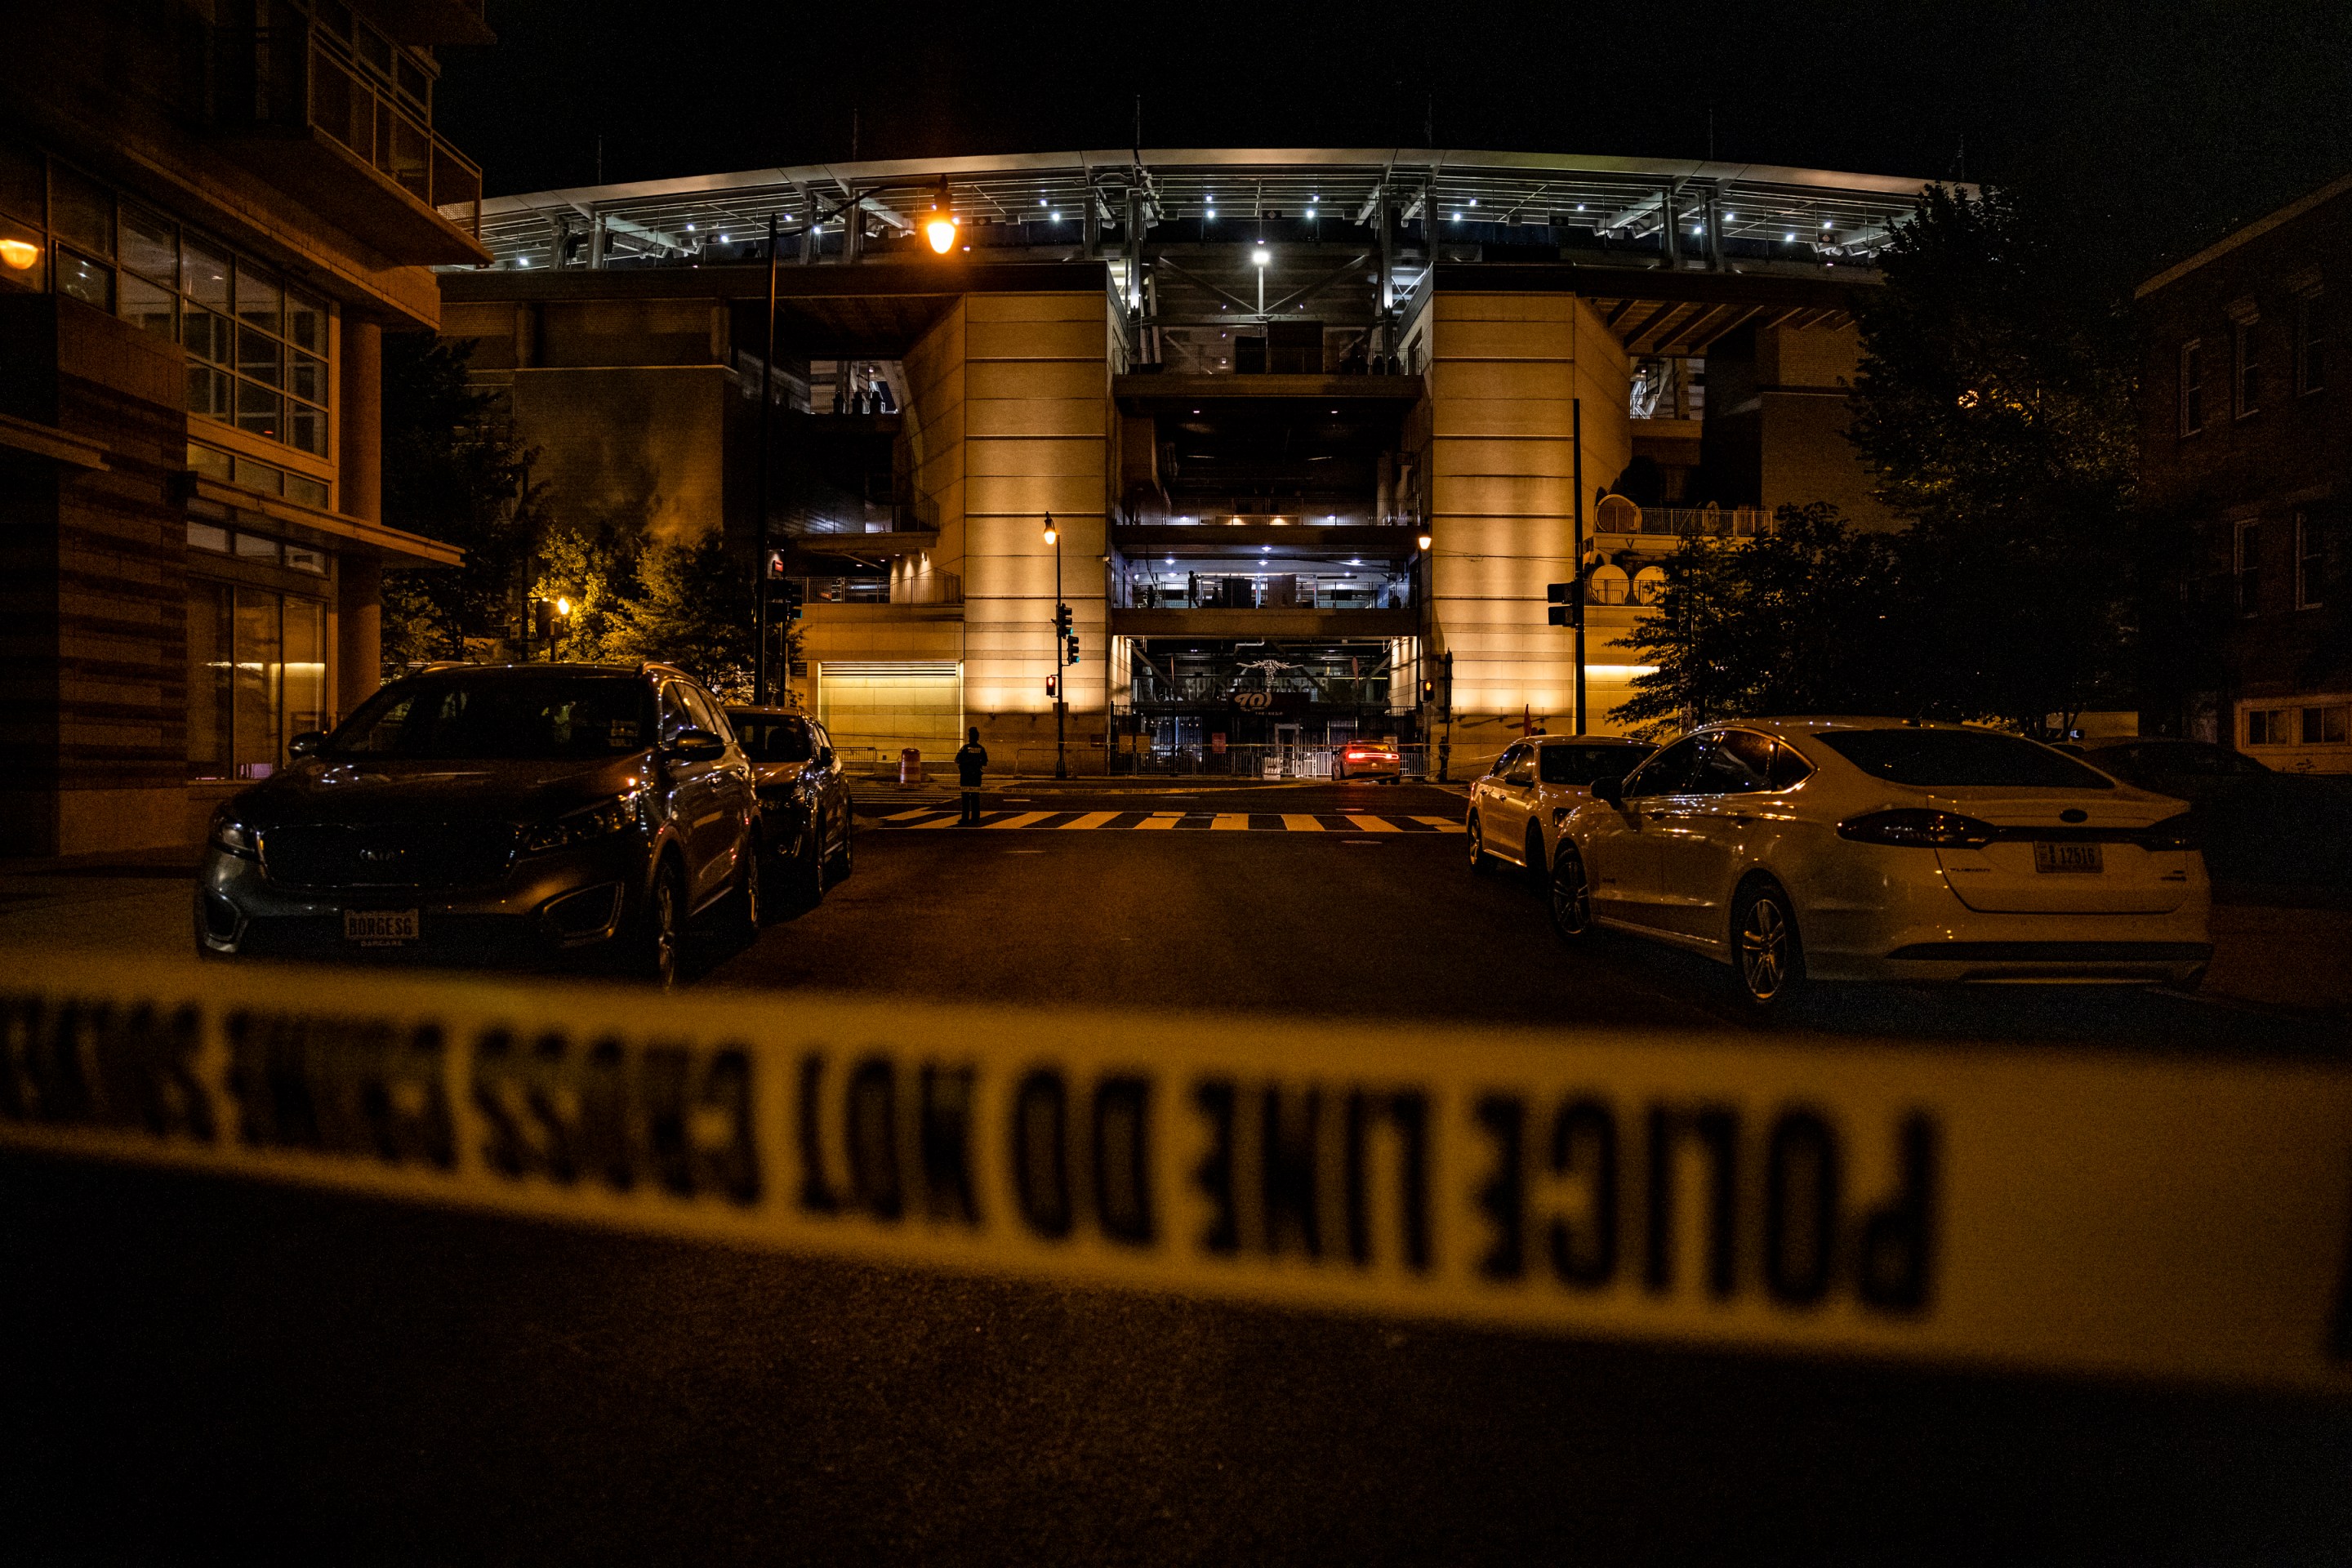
[{"x": 1318, "y": 431}]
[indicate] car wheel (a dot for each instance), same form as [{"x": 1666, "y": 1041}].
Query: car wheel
[
  {"x": 750, "y": 909},
  {"x": 1479, "y": 862},
  {"x": 804, "y": 870},
  {"x": 1767, "y": 959},
  {"x": 653, "y": 951},
  {"x": 1571, "y": 895},
  {"x": 838, "y": 868}
]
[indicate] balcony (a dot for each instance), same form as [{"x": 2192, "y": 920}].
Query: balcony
[
  {"x": 1618, "y": 516},
  {"x": 347, "y": 144}
]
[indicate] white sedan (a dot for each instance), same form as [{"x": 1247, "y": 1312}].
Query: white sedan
[{"x": 1881, "y": 850}]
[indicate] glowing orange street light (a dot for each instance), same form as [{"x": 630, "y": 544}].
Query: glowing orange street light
[
  {"x": 941, "y": 232},
  {"x": 1423, "y": 542}
]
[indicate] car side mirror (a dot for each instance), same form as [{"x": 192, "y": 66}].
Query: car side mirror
[
  {"x": 695, "y": 745},
  {"x": 824, "y": 756},
  {"x": 1611, "y": 790},
  {"x": 309, "y": 744}
]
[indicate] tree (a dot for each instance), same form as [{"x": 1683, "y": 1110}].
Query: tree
[
  {"x": 1809, "y": 619},
  {"x": 694, "y": 610},
  {"x": 596, "y": 570},
  {"x": 1994, "y": 405},
  {"x": 451, "y": 472}
]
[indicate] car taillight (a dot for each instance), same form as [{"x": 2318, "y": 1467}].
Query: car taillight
[
  {"x": 2174, "y": 833},
  {"x": 1918, "y": 829}
]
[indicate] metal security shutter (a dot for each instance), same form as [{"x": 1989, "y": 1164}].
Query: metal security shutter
[{"x": 891, "y": 705}]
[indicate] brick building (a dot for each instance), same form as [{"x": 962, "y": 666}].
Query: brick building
[
  {"x": 2246, "y": 446},
  {"x": 208, "y": 216}
]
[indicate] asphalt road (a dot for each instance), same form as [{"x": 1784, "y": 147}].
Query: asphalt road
[{"x": 198, "y": 1370}]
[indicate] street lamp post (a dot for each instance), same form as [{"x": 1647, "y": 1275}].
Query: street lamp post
[{"x": 1061, "y": 658}]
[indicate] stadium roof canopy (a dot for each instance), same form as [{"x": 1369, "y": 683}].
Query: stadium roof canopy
[{"x": 1473, "y": 206}]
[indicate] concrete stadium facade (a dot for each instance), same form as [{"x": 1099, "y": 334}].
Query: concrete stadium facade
[{"x": 1245, "y": 386}]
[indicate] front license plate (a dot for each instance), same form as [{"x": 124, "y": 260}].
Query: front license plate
[
  {"x": 2068, "y": 858},
  {"x": 380, "y": 928}
]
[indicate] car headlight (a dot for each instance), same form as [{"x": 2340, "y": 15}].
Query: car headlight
[
  {"x": 231, "y": 837},
  {"x": 600, "y": 821},
  {"x": 1918, "y": 829}
]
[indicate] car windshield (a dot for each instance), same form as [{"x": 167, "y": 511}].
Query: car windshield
[
  {"x": 501, "y": 717},
  {"x": 774, "y": 740},
  {"x": 1950, "y": 759},
  {"x": 1582, "y": 764}
]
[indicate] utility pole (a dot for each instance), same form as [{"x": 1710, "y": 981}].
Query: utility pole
[
  {"x": 759, "y": 554},
  {"x": 1576, "y": 542},
  {"x": 1061, "y": 658}
]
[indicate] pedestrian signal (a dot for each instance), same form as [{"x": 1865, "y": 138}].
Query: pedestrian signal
[{"x": 1567, "y": 604}]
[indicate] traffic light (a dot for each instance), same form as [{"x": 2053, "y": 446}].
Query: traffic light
[
  {"x": 794, "y": 595},
  {"x": 1070, "y": 644},
  {"x": 1567, "y": 604},
  {"x": 1053, "y": 686},
  {"x": 1062, "y": 619}
]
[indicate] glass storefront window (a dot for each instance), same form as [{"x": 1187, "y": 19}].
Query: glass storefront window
[
  {"x": 81, "y": 278},
  {"x": 150, "y": 245},
  {"x": 257, "y": 675},
  {"x": 257, "y": 658},
  {"x": 258, "y": 350},
  {"x": 306, "y": 326},
  {"x": 81, "y": 211},
  {"x": 210, "y": 638},
  {"x": 304, "y": 693},
  {"x": 204, "y": 277},
  {"x": 146, "y": 306},
  {"x": 259, "y": 303}
]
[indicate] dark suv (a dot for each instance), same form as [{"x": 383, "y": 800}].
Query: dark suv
[{"x": 522, "y": 814}]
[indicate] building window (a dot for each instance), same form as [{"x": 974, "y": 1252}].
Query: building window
[
  {"x": 2310, "y": 348},
  {"x": 256, "y": 346},
  {"x": 2192, "y": 387},
  {"x": 2246, "y": 361},
  {"x": 2269, "y": 726},
  {"x": 257, "y": 676},
  {"x": 2325, "y": 726},
  {"x": 2246, "y": 565},
  {"x": 2310, "y": 564}
]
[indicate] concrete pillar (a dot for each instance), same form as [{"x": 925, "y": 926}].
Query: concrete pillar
[
  {"x": 359, "y": 599},
  {"x": 358, "y": 628}
]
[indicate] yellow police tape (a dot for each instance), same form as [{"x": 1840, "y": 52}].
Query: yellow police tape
[{"x": 2081, "y": 1213}]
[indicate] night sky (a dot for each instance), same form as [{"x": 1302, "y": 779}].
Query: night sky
[{"x": 2159, "y": 123}]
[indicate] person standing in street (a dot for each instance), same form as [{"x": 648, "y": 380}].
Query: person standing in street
[{"x": 972, "y": 760}]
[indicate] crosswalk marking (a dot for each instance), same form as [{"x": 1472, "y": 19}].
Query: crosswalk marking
[{"x": 1175, "y": 821}]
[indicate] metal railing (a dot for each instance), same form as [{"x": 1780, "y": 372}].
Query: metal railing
[
  {"x": 1268, "y": 591},
  {"x": 1619, "y": 516},
  {"x": 286, "y": 77}
]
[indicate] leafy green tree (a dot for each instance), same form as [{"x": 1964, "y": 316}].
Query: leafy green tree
[
  {"x": 694, "y": 609},
  {"x": 595, "y": 570},
  {"x": 1809, "y": 619},
  {"x": 1994, "y": 406},
  {"x": 453, "y": 473}
]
